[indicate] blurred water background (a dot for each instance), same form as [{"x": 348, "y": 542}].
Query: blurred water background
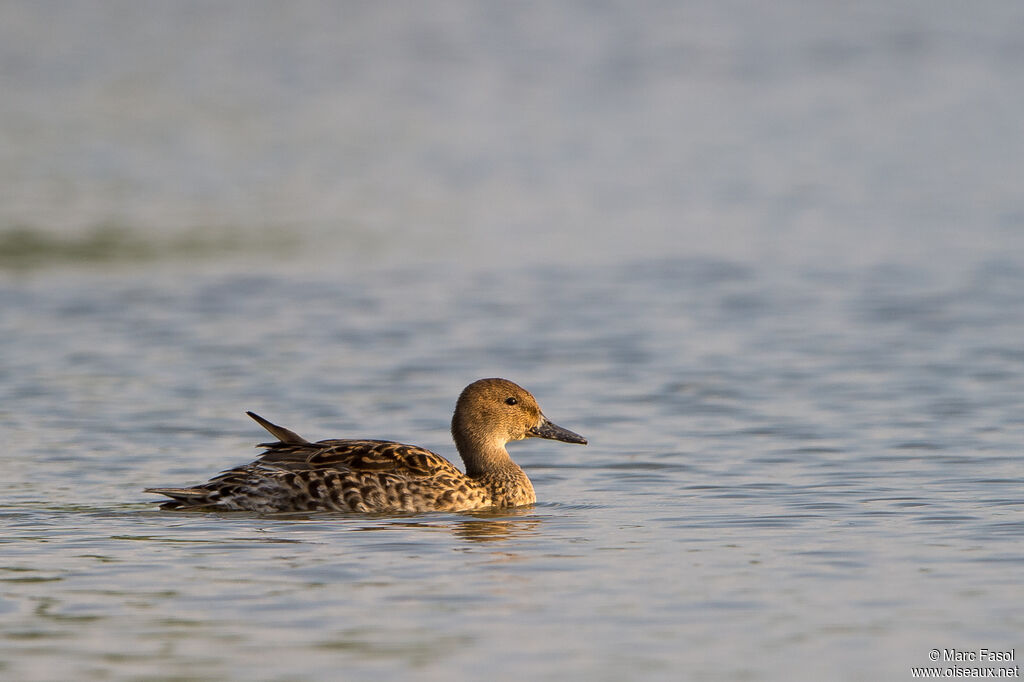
[{"x": 767, "y": 257}]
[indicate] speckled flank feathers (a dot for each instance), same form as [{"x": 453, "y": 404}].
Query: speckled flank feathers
[{"x": 294, "y": 474}]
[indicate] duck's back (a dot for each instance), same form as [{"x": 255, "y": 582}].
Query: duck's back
[{"x": 337, "y": 475}]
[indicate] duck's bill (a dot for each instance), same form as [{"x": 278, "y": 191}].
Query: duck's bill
[{"x": 555, "y": 432}]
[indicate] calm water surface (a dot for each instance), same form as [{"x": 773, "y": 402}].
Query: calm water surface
[
  {"x": 785, "y": 472},
  {"x": 768, "y": 260}
]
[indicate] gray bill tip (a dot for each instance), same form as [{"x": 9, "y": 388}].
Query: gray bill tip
[{"x": 553, "y": 431}]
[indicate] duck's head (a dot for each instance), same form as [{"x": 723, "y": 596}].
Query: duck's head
[{"x": 492, "y": 412}]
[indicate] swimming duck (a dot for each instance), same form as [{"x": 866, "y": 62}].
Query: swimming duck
[{"x": 294, "y": 474}]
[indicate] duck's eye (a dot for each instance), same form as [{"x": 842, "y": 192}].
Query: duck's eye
[{"x": 511, "y": 401}]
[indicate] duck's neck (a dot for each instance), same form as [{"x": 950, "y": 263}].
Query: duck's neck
[
  {"x": 488, "y": 462},
  {"x": 484, "y": 457}
]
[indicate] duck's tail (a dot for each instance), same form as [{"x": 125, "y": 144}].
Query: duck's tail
[{"x": 184, "y": 498}]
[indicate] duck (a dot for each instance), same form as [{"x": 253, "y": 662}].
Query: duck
[{"x": 381, "y": 476}]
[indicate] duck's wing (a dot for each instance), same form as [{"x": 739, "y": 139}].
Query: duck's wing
[
  {"x": 279, "y": 432},
  {"x": 292, "y": 451},
  {"x": 376, "y": 456}
]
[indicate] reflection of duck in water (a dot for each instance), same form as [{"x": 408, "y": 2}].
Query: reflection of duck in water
[
  {"x": 492, "y": 530},
  {"x": 382, "y": 476}
]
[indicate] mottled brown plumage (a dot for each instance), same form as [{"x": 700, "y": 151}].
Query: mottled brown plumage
[{"x": 294, "y": 474}]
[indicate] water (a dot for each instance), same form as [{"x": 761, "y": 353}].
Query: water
[{"x": 767, "y": 260}]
